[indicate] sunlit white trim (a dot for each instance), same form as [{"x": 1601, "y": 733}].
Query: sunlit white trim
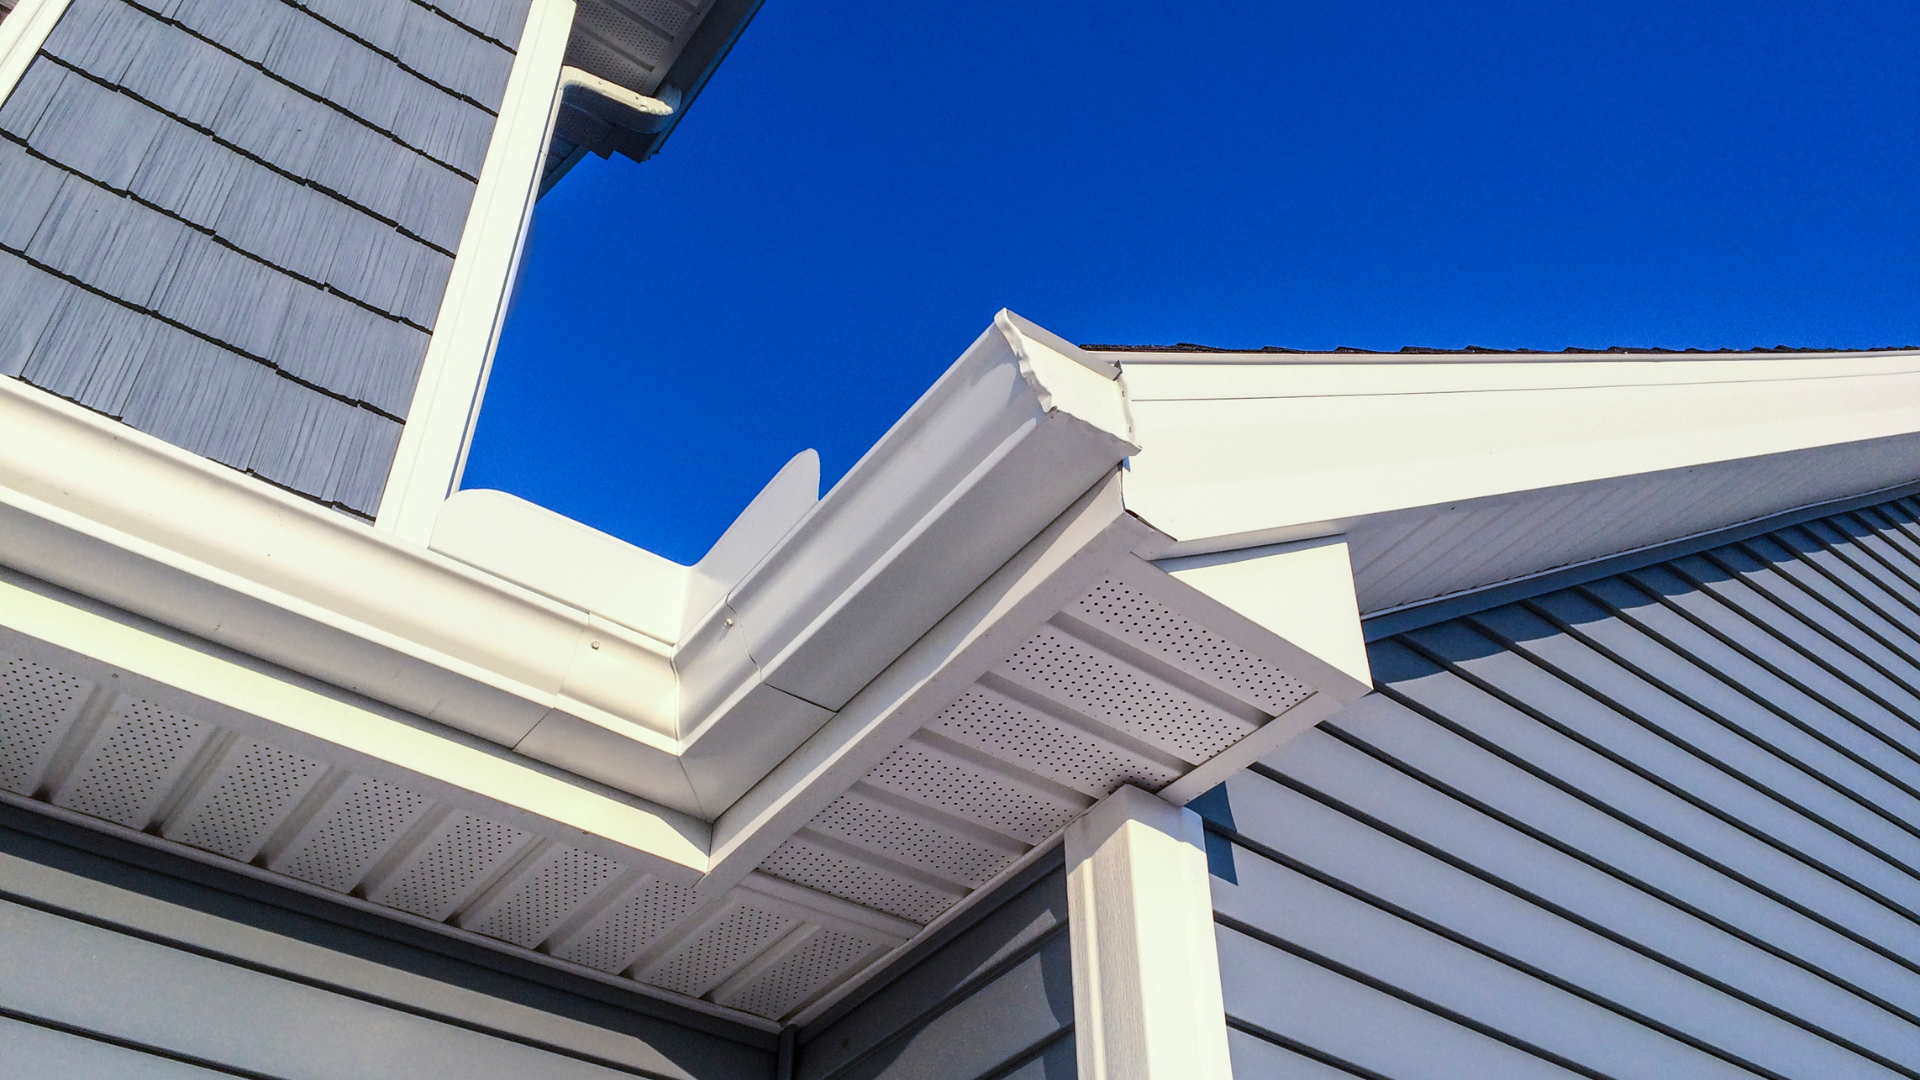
[
  {"x": 22, "y": 33},
  {"x": 1147, "y": 1002},
  {"x": 446, "y": 401}
]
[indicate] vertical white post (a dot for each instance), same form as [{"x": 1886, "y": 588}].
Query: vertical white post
[
  {"x": 447, "y": 400},
  {"x": 1146, "y": 976}
]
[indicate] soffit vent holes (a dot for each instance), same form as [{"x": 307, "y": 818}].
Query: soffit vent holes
[
  {"x": 1153, "y": 627},
  {"x": 701, "y": 964},
  {"x": 670, "y": 17},
  {"x": 626, "y": 931},
  {"x": 124, "y": 776},
  {"x": 801, "y": 974},
  {"x": 1043, "y": 745},
  {"x": 803, "y": 863},
  {"x": 543, "y": 899},
  {"x": 37, "y": 704},
  {"x": 348, "y": 836},
  {"x": 622, "y": 32},
  {"x": 968, "y": 793},
  {"x": 464, "y": 852},
  {"x": 252, "y": 792},
  {"x": 1106, "y": 690},
  {"x": 941, "y": 852}
]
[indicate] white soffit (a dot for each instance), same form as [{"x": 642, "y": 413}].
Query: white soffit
[
  {"x": 1448, "y": 473},
  {"x": 632, "y": 43},
  {"x": 1092, "y": 671},
  {"x": 896, "y": 697}
]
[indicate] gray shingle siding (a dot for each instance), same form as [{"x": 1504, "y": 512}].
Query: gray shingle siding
[
  {"x": 497, "y": 20},
  {"x": 1665, "y": 823},
  {"x": 230, "y": 223},
  {"x": 993, "y": 1000}
]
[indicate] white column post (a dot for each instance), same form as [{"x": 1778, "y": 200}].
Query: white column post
[{"x": 1146, "y": 976}]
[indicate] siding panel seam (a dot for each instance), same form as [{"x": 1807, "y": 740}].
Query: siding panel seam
[
  {"x": 224, "y": 242},
  {"x": 325, "y": 985},
  {"x": 1571, "y": 851},
  {"x": 185, "y": 329},
  {"x": 1371, "y": 982},
  {"x": 1551, "y": 907},
  {"x": 139, "y": 5},
  {"x": 1247, "y": 1027},
  {"x": 1764, "y": 745},
  {"x": 1622, "y": 761},
  {"x": 395, "y": 59},
  {"x": 1647, "y": 830}
]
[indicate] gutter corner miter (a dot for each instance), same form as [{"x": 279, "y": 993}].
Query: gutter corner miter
[
  {"x": 1017, "y": 430},
  {"x": 1068, "y": 380}
]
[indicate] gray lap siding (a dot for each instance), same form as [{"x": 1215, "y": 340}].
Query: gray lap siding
[{"x": 1662, "y": 823}]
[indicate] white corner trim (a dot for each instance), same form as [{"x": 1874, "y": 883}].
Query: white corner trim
[
  {"x": 1302, "y": 592},
  {"x": 1147, "y": 1003},
  {"x": 22, "y": 33},
  {"x": 446, "y": 401},
  {"x": 1064, "y": 379}
]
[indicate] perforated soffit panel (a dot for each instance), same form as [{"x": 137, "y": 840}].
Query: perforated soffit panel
[
  {"x": 632, "y": 42},
  {"x": 1115, "y": 688}
]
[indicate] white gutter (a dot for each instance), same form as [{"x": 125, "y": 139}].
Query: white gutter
[
  {"x": 612, "y": 102},
  {"x": 108, "y": 512}
]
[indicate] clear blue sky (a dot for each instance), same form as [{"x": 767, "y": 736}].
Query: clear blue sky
[{"x": 861, "y": 186}]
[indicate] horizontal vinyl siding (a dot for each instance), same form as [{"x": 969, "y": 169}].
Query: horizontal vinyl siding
[
  {"x": 230, "y": 223},
  {"x": 995, "y": 1001},
  {"x": 1661, "y": 824},
  {"x": 118, "y": 961}
]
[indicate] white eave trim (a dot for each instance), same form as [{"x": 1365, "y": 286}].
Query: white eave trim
[
  {"x": 1242, "y": 451},
  {"x": 91, "y": 506}
]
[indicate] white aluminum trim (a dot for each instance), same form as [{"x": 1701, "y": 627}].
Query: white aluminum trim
[
  {"x": 1242, "y": 452},
  {"x": 446, "y": 401},
  {"x": 277, "y": 703},
  {"x": 1147, "y": 1001},
  {"x": 22, "y": 33}
]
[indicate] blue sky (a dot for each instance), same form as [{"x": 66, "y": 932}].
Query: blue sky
[{"x": 861, "y": 186}]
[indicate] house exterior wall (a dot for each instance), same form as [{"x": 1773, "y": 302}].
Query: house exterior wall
[
  {"x": 230, "y": 223},
  {"x": 1666, "y": 823},
  {"x": 994, "y": 1000},
  {"x": 120, "y": 961}
]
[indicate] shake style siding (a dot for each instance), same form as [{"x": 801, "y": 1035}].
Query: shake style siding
[
  {"x": 1662, "y": 824},
  {"x": 230, "y": 223}
]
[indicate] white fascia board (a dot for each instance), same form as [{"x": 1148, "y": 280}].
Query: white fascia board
[
  {"x": 184, "y": 673},
  {"x": 1240, "y": 452},
  {"x": 1067, "y": 558},
  {"x": 102, "y": 510}
]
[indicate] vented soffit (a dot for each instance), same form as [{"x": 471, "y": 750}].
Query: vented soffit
[
  {"x": 890, "y": 702},
  {"x": 1078, "y": 666},
  {"x": 661, "y": 49}
]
